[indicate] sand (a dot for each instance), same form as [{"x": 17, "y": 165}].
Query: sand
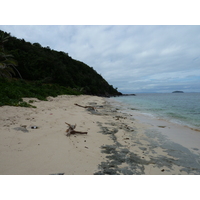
[{"x": 116, "y": 143}]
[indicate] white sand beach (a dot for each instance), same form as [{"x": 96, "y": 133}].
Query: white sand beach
[{"x": 116, "y": 143}]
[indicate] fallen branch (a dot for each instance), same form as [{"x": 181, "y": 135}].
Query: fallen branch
[
  {"x": 91, "y": 107},
  {"x": 71, "y": 130}
]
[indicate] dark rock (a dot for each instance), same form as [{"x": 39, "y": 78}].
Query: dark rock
[{"x": 161, "y": 126}]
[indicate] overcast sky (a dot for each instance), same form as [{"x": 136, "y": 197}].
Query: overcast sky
[{"x": 132, "y": 58}]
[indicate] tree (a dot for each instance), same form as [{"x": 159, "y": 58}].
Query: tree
[
  {"x": 37, "y": 44},
  {"x": 7, "y": 63}
]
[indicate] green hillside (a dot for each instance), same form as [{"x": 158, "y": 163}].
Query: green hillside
[{"x": 43, "y": 66}]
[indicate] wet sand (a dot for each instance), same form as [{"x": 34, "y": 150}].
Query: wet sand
[{"x": 116, "y": 143}]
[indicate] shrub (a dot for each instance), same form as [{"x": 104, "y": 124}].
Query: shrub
[{"x": 12, "y": 91}]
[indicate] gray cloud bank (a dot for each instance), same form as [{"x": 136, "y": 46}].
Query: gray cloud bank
[{"x": 132, "y": 58}]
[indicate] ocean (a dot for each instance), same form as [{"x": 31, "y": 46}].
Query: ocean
[{"x": 181, "y": 108}]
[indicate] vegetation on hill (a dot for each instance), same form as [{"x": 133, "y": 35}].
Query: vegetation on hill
[
  {"x": 12, "y": 91},
  {"x": 42, "y": 68}
]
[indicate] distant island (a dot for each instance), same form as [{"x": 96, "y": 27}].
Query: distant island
[{"x": 177, "y": 92}]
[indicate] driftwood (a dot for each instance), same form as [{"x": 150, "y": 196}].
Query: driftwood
[
  {"x": 71, "y": 130},
  {"x": 90, "y": 107}
]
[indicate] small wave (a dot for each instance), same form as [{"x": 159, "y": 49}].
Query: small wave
[{"x": 176, "y": 115}]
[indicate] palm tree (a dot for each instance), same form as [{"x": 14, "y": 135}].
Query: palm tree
[{"x": 7, "y": 63}]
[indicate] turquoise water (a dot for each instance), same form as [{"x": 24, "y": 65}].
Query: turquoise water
[{"x": 182, "y": 108}]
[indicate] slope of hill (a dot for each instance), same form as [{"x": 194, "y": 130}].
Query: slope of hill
[{"x": 47, "y": 66}]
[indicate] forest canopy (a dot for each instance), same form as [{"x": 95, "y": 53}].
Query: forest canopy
[{"x": 46, "y": 66}]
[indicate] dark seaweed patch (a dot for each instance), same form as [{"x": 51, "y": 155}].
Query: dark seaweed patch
[{"x": 118, "y": 155}]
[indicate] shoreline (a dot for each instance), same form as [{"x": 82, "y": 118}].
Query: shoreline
[
  {"x": 116, "y": 143},
  {"x": 165, "y": 111},
  {"x": 179, "y": 131},
  {"x": 161, "y": 144}
]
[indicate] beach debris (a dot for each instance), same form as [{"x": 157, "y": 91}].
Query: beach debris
[
  {"x": 161, "y": 126},
  {"x": 34, "y": 127},
  {"x": 24, "y": 126},
  {"x": 92, "y": 109},
  {"x": 162, "y": 170},
  {"x": 57, "y": 174},
  {"x": 71, "y": 130},
  {"x": 89, "y": 107},
  {"x": 119, "y": 117},
  {"x": 195, "y": 129}
]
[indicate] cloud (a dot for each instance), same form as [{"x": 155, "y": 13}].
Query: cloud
[{"x": 132, "y": 58}]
